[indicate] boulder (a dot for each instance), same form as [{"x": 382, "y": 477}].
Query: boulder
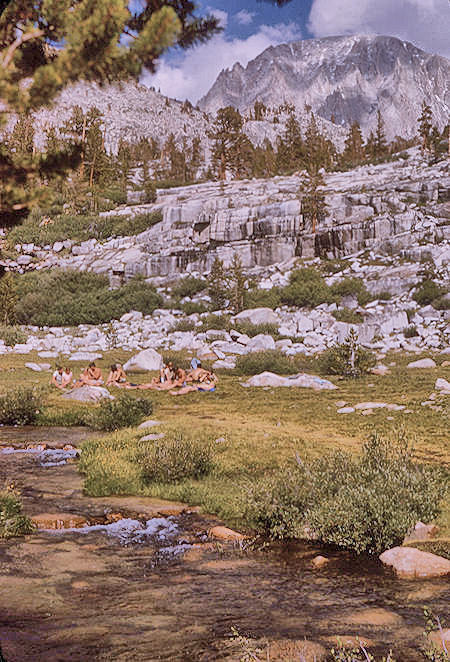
[
  {"x": 346, "y": 410},
  {"x": 301, "y": 380},
  {"x": 224, "y": 533},
  {"x": 413, "y": 563},
  {"x": 258, "y": 316},
  {"x": 88, "y": 394},
  {"x": 260, "y": 343},
  {"x": 370, "y": 405},
  {"x": 422, "y": 363},
  {"x": 148, "y": 359},
  {"x": 36, "y": 367},
  {"x": 442, "y": 385},
  {"x": 422, "y": 531},
  {"x": 153, "y": 437},
  {"x": 226, "y": 364},
  {"x": 320, "y": 561},
  {"x": 148, "y": 424},
  {"x": 84, "y": 356}
]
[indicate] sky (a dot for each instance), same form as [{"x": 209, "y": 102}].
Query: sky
[{"x": 249, "y": 27}]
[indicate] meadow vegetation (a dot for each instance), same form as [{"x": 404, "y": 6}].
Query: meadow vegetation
[{"x": 12, "y": 521}]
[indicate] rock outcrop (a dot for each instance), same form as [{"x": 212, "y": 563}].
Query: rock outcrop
[{"x": 413, "y": 563}]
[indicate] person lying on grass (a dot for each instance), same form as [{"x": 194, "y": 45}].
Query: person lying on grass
[
  {"x": 62, "y": 377},
  {"x": 208, "y": 383},
  {"x": 91, "y": 376}
]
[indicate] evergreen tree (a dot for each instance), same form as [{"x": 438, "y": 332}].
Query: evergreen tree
[
  {"x": 425, "y": 126},
  {"x": 231, "y": 150},
  {"x": 290, "y": 147},
  {"x": 313, "y": 198},
  {"x": 217, "y": 285},
  {"x": 8, "y": 298},
  {"x": 380, "y": 145},
  {"x": 52, "y": 43},
  {"x": 237, "y": 283},
  {"x": 21, "y": 140},
  {"x": 353, "y": 153}
]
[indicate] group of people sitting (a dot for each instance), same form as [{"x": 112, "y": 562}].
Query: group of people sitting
[{"x": 171, "y": 378}]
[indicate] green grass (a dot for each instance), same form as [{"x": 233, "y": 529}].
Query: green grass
[{"x": 263, "y": 428}]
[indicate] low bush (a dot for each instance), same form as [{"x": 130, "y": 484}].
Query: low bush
[
  {"x": 68, "y": 298},
  {"x": 410, "y": 331},
  {"x": 347, "y": 315},
  {"x": 190, "y": 307},
  {"x": 188, "y": 287},
  {"x": 427, "y": 292},
  {"x": 215, "y": 322},
  {"x": 271, "y": 360},
  {"x": 256, "y": 298},
  {"x": 174, "y": 459},
  {"x": 122, "y": 412},
  {"x": 442, "y": 303},
  {"x": 109, "y": 466},
  {"x": 80, "y": 227},
  {"x": 307, "y": 287},
  {"x": 183, "y": 325},
  {"x": 352, "y": 287},
  {"x": 12, "y": 521},
  {"x": 366, "y": 504},
  {"x": 348, "y": 359},
  {"x": 20, "y": 406},
  {"x": 12, "y": 335},
  {"x": 384, "y": 295},
  {"x": 252, "y": 330}
]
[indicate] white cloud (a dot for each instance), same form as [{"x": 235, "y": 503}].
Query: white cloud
[
  {"x": 200, "y": 66},
  {"x": 244, "y": 17},
  {"x": 426, "y": 23}
]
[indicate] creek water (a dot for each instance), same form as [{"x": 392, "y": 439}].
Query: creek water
[{"x": 155, "y": 588}]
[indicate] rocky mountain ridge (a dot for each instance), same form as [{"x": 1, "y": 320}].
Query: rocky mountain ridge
[{"x": 342, "y": 79}]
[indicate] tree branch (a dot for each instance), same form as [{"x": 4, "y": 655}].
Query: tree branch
[{"x": 17, "y": 44}]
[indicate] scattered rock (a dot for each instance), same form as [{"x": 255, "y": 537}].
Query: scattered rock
[
  {"x": 346, "y": 410},
  {"x": 380, "y": 370},
  {"x": 370, "y": 405},
  {"x": 422, "y": 363},
  {"x": 85, "y": 356},
  {"x": 153, "y": 437},
  {"x": 301, "y": 380},
  {"x": 148, "y": 359},
  {"x": 422, "y": 531},
  {"x": 320, "y": 561},
  {"x": 148, "y": 424},
  {"x": 413, "y": 563},
  {"x": 224, "y": 533},
  {"x": 442, "y": 385},
  {"x": 59, "y": 521},
  {"x": 36, "y": 367},
  {"x": 88, "y": 394},
  {"x": 258, "y": 316}
]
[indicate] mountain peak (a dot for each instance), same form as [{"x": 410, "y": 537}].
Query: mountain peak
[{"x": 343, "y": 79}]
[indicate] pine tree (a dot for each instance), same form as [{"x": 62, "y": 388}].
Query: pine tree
[
  {"x": 237, "y": 283},
  {"x": 52, "y": 43},
  {"x": 425, "y": 126},
  {"x": 380, "y": 145},
  {"x": 353, "y": 153},
  {"x": 313, "y": 198},
  {"x": 8, "y": 298},
  {"x": 231, "y": 150},
  {"x": 21, "y": 140},
  {"x": 218, "y": 285},
  {"x": 290, "y": 147}
]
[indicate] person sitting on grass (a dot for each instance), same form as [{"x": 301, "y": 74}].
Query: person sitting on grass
[
  {"x": 207, "y": 383},
  {"x": 91, "y": 376},
  {"x": 67, "y": 377},
  {"x": 58, "y": 377},
  {"x": 117, "y": 376}
]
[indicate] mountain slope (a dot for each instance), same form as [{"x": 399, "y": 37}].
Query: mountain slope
[{"x": 344, "y": 79}]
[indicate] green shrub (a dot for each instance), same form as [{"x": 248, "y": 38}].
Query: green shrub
[
  {"x": 256, "y": 298},
  {"x": 366, "y": 504},
  {"x": 20, "y": 406},
  {"x": 175, "y": 459},
  {"x": 347, "y": 315},
  {"x": 252, "y": 330},
  {"x": 213, "y": 322},
  {"x": 12, "y": 521},
  {"x": 190, "y": 307},
  {"x": 352, "y": 287},
  {"x": 188, "y": 287},
  {"x": 384, "y": 295},
  {"x": 109, "y": 466},
  {"x": 122, "y": 412},
  {"x": 348, "y": 359},
  {"x": 410, "y": 331},
  {"x": 12, "y": 335},
  {"x": 270, "y": 360},
  {"x": 442, "y": 303},
  {"x": 307, "y": 287},
  {"x": 68, "y": 298},
  {"x": 372, "y": 505},
  {"x": 116, "y": 195},
  {"x": 427, "y": 292},
  {"x": 183, "y": 325}
]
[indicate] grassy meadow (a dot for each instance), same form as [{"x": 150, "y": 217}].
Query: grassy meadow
[{"x": 252, "y": 431}]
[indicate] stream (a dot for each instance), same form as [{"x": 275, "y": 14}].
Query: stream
[{"x": 140, "y": 580}]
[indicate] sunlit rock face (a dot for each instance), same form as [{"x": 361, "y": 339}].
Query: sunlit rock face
[{"x": 343, "y": 79}]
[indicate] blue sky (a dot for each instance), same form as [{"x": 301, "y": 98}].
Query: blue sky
[{"x": 250, "y": 27}]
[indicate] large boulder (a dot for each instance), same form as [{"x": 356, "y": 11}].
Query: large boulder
[
  {"x": 442, "y": 385},
  {"x": 301, "y": 380},
  {"x": 258, "y": 316},
  {"x": 260, "y": 343},
  {"x": 413, "y": 563},
  {"x": 85, "y": 356},
  {"x": 422, "y": 363},
  {"x": 88, "y": 394},
  {"x": 148, "y": 359}
]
